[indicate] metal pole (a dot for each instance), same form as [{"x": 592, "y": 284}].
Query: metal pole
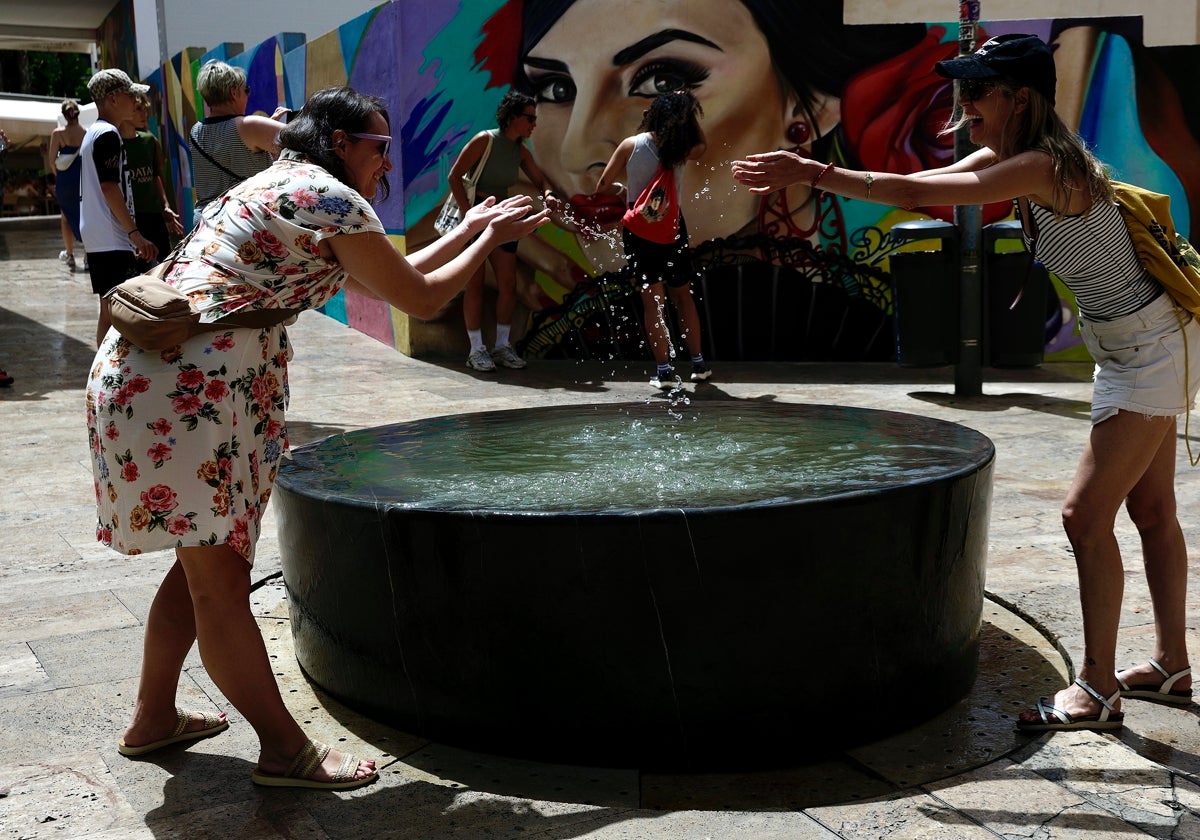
[{"x": 968, "y": 370}]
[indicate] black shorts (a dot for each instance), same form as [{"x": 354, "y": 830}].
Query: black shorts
[
  {"x": 110, "y": 269},
  {"x": 653, "y": 262},
  {"x": 153, "y": 226}
]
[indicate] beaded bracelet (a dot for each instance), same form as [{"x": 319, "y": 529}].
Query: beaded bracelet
[{"x": 821, "y": 174}]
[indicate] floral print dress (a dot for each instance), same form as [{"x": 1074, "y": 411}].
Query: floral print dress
[{"x": 186, "y": 442}]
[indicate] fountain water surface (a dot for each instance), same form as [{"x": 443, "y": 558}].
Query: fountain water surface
[{"x": 724, "y": 582}]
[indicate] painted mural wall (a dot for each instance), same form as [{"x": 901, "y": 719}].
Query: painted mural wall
[{"x": 797, "y": 275}]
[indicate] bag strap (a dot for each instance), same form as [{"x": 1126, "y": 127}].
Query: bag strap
[
  {"x": 209, "y": 158},
  {"x": 472, "y": 178}
]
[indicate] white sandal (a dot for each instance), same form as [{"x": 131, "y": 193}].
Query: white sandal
[
  {"x": 1108, "y": 718},
  {"x": 1165, "y": 693}
]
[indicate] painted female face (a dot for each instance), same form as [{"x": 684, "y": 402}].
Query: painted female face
[{"x": 596, "y": 70}]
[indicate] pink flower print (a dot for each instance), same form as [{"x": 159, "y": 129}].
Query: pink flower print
[
  {"x": 289, "y": 269},
  {"x": 216, "y": 390},
  {"x": 161, "y": 426},
  {"x": 122, "y": 397},
  {"x": 269, "y": 243},
  {"x": 160, "y": 498},
  {"x": 244, "y": 212},
  {"x": 178, "y": 525},
  {"x": 272, "y": 430},
  {"x": 158, "y": 453},
  {"x": 224, "y": 341},
  {"x": 191, "y": 379},
  {"x": 111, "y": 431},
  {"x": 129, "y": 471},
  {"x": 305, "y": 198},
  {"x": 186, "y": 404},
  {"x": 239, "y": 538},
  {"x": 139, "y": 384},
  {"x": 104, "y": 535}
]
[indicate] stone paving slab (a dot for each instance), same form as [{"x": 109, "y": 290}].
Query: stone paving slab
[{"x": 71, "y": 614}]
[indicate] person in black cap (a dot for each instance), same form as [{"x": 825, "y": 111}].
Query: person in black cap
[{"x": 1132, "y": 328}]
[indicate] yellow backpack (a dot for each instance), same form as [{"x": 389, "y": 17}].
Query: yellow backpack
[{"x": 1165, "y": 253}]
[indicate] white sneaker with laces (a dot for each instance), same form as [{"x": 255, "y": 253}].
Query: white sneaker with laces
[
  {"x": 481, "y": 360},
  {"x": 507, "y": 357}
]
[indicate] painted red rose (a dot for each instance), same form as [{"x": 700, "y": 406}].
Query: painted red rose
[
  {"x": 893, "y": 113},
  {"x": 129, "y": 471}
]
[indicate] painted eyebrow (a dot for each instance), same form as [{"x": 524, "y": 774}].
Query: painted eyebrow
[
  {"x": 546, "y": 64},
  {"x": 650, "y": 42}
]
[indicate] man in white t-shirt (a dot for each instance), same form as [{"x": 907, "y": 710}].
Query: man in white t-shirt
[{"x": 106, "y": 214}]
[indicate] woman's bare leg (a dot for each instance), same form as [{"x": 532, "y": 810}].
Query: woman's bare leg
[
  {"x": 654, "y": 317},
  {"x": 1118, "y": 457},
  {"x": 170, "y": 633},
  {"x": 1152, "y": 508},
  {"x": 689, "y": 318},
  {"x": 235, "y": 656}
]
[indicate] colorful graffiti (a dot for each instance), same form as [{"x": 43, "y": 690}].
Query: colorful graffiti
[{"x": 770, "y": 74}]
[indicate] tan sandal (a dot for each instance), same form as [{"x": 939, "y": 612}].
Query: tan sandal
[
  {"x": 212, "y": 725},
  {"x": 306, "y": 763}
]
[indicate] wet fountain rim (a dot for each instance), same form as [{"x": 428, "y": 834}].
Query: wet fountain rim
[{"x": 986, "y": 454}]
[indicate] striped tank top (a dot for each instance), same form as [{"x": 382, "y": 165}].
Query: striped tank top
[
  {"x": 219, "y": 138},
  {"x": 1094, "y": 255}
]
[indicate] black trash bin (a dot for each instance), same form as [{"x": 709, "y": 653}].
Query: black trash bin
[
  {"x": 925, "y": 295},
  {"x": 1014, "y": 335}
]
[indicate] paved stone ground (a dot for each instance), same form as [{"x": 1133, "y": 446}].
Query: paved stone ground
[{"x": 71, "y": 616}]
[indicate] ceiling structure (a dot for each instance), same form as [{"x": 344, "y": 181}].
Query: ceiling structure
[{"x": 52, "y": 25}]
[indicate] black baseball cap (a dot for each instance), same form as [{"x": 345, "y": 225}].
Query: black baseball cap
[{"x": 1024, "y": 59}]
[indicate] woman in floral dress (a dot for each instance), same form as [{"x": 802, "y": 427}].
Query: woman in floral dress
[{"x": 186, "y": 442}]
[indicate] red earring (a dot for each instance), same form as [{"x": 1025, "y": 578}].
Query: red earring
[{"x": 797, "y": 133}]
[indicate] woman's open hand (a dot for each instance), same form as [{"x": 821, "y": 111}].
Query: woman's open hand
[
  {"x": 515, "y": 217},
  {"x": 771, "y": 171}
]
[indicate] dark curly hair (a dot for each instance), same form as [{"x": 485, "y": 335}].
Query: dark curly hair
[
  {"x": 310, "y": 131},
  {"x": 512, "y": 106},
  {"x": 672, "y": 118}
]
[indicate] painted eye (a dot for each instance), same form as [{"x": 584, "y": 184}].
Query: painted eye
[
  {"x": 554, "y": 89},
  {"x": 666, "y": 77}
]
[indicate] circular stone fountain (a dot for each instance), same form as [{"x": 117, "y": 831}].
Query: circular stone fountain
[{"x": 724, "y": 583}]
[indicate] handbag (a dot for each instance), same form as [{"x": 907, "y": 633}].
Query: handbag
[
  {"x": 654, "y": 216},
  {"x": 153, "y": 315},
  {"x": 63, "y": 160},
  {"x": 451, "y": 213}
]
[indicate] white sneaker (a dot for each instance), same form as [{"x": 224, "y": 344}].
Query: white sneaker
[
  {"x": 669, "y": 382},
  {"x": 507, "y": 357},
  {"x": 62, "y": 256},
  {"x": 481, "y": 360},
  {"x": 700, "y": 373}
]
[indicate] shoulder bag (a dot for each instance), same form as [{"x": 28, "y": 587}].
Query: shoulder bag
[
  {"x": 153, "y": 315},
  {"x": 451, "y": 213}
]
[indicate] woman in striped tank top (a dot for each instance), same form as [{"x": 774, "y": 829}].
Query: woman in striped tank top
[
  {"x": 1135, "y": 332},
  {"x": 227, "y": 146}
]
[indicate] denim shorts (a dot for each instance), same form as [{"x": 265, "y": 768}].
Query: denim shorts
[{"x": 1147, "y": 361}]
